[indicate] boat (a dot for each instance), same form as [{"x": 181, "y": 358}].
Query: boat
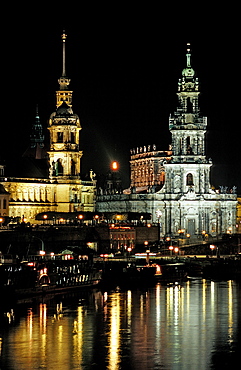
[
  {"x": 33, "y": 278},
  {"x": 171, "y": 272}
]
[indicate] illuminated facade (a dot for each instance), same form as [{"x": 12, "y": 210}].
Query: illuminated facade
[
  {"x": 4, "y": 203},
  {"x": 239, "y": 215},
  {"x": 147, "y": 168},
  {"x": 61, "y": 189},
  {"x": 186, "y": 201}
]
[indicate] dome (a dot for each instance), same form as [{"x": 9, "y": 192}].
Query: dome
[{"x": 64, "y": 110}]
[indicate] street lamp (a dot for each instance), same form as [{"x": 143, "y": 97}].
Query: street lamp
[
  {"x": 42, "y": 243},
  {"x": 129, "y": 249},
  {"x": 147, "y": 252},
  {"x": 170, "y": 249},
  {"x": 176, "y": 250},
  {"x": 212, "y": 247},
  {"x": 188, "y": 238}
]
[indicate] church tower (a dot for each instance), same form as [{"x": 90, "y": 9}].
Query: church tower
[
  {"x": 188, "y": 170},
  {"x": 64, "y": 127},
  {"x": 186, "y": 203}
]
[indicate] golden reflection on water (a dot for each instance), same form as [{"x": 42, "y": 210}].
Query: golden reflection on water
[
  {"x": 114, "y": 333},
  {"x": 78, "y": 337},
  {"x": 176, "y": 326}
]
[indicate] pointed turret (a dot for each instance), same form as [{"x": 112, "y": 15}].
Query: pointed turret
[
  {"x": 64, "y": 94},
  {"x": 64, "y": 127},
  {"x": 36, "y": 148},
  {"x": 36, "y": 136},
  {"x": 187, "y": 125},
  {"x": 188, "y": 111}
]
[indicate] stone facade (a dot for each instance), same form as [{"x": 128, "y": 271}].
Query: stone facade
[{"x": 186, "y": 202}]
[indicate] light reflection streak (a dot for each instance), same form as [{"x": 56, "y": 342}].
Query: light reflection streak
[
  {"x": 158, "y": 339},
  {"x": 212, "y": 301},
  {"x": 43, "y": 325},
  {"x": 158, "y": 309},
  {"x": 141, "y": 307},
  {"x": 188, "y": 297},
  {"x": 204, "y": 298},
  {"x": 230, "y": 311},
  {"x": 105, "y": 298},
  {"x": 60, "y": 339},
  {"x": 168, "y": 326},
  {"x": 114, "y": 335},
  {"x": 78, "y": 336},
  {"x": 129, "y": 308},
  {"x": 30, "y": 324},
  {"x": 43, "y": 317}
]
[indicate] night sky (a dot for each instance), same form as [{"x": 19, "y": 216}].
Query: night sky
[{"x": 124, "y": 66}]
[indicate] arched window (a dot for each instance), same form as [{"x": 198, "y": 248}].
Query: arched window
[
  {"x": 60, "y": 137},
  {"x": 73, "y": 167},
  {"x": 189, "y": 179},
  {"x": 59, "y": 168}
]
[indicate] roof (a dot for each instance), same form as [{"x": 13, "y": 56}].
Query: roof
[
  {"x": 64, "y": 110},
  {"x": 28, "y": 167},
  {"x": 2, "y": 190}
]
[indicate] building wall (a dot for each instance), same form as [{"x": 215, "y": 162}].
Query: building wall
[
  {"x": 4, "y": 204},
  {"x": 239, "y": 215},
  {"x": 214, "y": 213},
  {"x": 29, "y": 197},
  {"x": 147, "y": 168}
]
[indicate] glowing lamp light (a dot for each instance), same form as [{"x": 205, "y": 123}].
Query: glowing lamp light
[
  {"x": 42, "y": 253},
  {"x": 114, "y": 165}
]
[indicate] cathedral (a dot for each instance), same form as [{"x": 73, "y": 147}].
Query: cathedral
[
  {"x": 174, "y": 185},
  {"x": 50, "y": 180}
]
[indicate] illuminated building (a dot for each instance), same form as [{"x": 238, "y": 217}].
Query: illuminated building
[
  {"x": 147, "y": 169},
  {"x": 174, "y": 186},
  {"x": 4, "y": 203},
  {"x": 239, "y": 215},
  {"x": 51, "y": 180}
]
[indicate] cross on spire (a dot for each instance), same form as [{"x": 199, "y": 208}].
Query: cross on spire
[
  {"x": 64, "y": 94},
  {"x": 64, "y": 36}
]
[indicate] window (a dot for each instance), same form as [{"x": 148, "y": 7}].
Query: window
[
  {"x": 59, "y": 168},
  {"x": 60, "y": 137},
  {"x": 72, "y": 138},
  {"x": 189, "y": 179}
]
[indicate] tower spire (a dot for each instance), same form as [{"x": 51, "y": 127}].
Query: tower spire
[
  {"x": 64, "y": 94},
  {"x": 188, "y": 55},
  {"x": 64, "y": 36}
]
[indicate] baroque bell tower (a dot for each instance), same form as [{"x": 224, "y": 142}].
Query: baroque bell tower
[
  {"x": 64, "y": 127},
  {"x": 189, "y": 169}
]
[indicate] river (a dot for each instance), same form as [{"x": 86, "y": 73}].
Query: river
[{"x": 196, "y": 325}]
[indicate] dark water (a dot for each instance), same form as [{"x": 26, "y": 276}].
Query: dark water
[{"x": 191, "y": 326}]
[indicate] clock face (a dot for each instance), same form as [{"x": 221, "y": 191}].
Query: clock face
[{"x": 188, "y": 72}]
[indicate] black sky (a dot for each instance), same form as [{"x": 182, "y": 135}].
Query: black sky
[{"x": 124, "y": 65}]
